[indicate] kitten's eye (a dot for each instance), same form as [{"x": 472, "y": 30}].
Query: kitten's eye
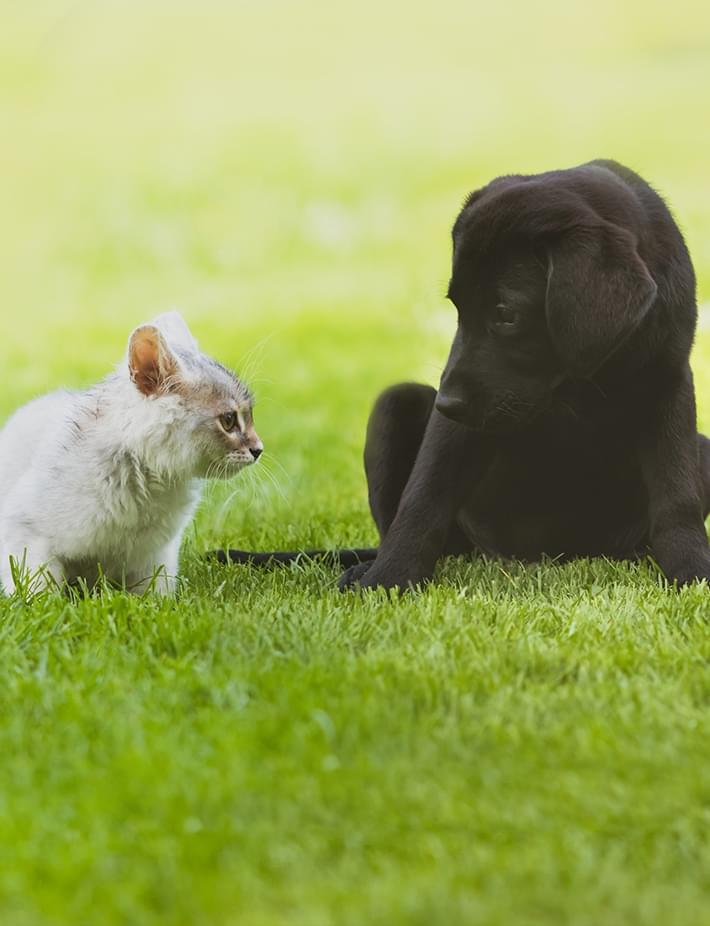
[
  {"x": 229, "y": 421},
  {"x": 505, "y": 316}
]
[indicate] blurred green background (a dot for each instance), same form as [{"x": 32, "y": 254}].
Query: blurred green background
[
  {"x": 287, "y": 173},
  {"x": 514, "y": 745}
]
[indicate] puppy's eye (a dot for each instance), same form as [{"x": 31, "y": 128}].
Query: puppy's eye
[
  {"x": 229, "y": 421},
  {"x": 505, "y": 316}
]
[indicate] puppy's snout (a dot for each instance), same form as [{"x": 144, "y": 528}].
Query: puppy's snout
[
  {"x": 453, "y": 398},
  {"x": 451, "y": 406}
]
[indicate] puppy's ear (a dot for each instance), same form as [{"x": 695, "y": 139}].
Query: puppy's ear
[
  {"x": 151, "y": 363},
  {"x": 598, "y": 291}
]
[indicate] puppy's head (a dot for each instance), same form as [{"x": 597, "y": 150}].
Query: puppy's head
[{"x": 545, "y": 288}]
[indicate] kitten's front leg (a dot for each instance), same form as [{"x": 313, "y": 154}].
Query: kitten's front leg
[
  {"x": 158, "y": 576},
  {"x": 32, "y": 562},
  {"x": 158, "y": 583}
]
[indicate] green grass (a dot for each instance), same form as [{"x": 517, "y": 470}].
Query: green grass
[{"x": 514, "y": 745}]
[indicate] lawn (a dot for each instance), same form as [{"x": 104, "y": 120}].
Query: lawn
[{"x": 514, "y": 746}]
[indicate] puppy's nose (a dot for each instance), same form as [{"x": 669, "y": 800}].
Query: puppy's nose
[{"x": 256, "y": 452}]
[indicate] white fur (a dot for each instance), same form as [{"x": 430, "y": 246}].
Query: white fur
[
  {"x": 109, "y": 477},
  {"x": 175, "y": 331}
]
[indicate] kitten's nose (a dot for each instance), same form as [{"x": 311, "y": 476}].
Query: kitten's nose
[{"x": 256, "y": 452}]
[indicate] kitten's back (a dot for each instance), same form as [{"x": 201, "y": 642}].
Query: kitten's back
[{"x": 28, "y": 433}]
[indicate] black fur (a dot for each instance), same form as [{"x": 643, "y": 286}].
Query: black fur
[{"x": 564, "y": 424}]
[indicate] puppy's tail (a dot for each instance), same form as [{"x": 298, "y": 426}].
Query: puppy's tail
[{"x": 344, "y": 558}]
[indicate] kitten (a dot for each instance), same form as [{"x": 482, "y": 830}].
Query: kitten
[{"x": 105, "y": 481}]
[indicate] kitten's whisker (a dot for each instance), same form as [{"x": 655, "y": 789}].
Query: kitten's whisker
[
  {"x": 225, "y": 507},
  {"x": 277, "y": 478},
  {"x": 275, "y": 460},
  {"x": 249, "y": 361},
  {"x": 274, "y": 482},
  {"x": 212, "y": 474},
  {"x": 215, "y": 471}
]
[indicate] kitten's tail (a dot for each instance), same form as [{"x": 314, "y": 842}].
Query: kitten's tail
[{"x": 344, "y": 558}]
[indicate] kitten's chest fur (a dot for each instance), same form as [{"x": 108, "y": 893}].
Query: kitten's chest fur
[
  {"x": 135, "y": 508},
  {"x": 131, "y": 515}
]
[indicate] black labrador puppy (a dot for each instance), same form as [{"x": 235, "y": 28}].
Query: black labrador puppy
[{"x": 565, "y": 422}]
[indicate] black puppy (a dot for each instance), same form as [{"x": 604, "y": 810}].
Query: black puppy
[{"x": 565, "y": 420}]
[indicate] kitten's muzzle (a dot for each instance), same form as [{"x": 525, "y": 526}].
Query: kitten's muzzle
[{"x": 256, "y": 452}]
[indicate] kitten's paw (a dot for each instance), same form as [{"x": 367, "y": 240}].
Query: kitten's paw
[{"x": 351, "y": 577}]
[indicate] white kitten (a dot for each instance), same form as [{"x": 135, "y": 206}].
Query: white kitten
[{"x": 106, "y": 481}]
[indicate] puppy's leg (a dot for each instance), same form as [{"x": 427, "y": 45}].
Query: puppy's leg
[
  {"x": 671, "y": 458},
  {"x": 420, "y": 466},
  {"x": 394, "y": 435},
  {"x": 395, "y": 431}
]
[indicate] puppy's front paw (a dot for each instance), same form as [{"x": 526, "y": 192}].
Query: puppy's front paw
[
  {"x": 351, "y": 577},
  {"x": 692, "y": 569},
  {"x": 376, "y": 575}
]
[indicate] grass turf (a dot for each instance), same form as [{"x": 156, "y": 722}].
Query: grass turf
[{"x": 514, "y": 745}]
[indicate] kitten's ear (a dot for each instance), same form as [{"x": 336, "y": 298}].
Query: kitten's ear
[
  {"x": 174, "y": 328},
  {"x": 151, "y": 363}
]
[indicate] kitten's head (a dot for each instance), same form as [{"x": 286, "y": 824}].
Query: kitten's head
[{"x": 201, "y": 402}]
